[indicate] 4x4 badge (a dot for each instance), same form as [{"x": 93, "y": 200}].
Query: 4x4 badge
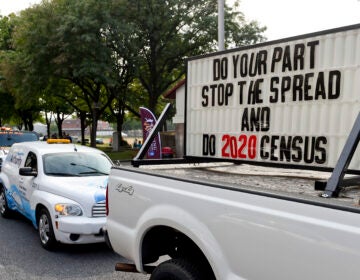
[{"x": 127, "y": 189}]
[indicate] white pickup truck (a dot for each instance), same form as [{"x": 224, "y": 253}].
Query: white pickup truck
[
  {"x": 232, "y": 222},
  {"x": 278, "y": 125}
]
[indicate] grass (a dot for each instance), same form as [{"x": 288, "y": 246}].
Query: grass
[{"x": 126, "y": 154}]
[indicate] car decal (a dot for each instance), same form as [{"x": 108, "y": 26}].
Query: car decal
[
  {"x": 99, "y": 196},
  {"x": 18, "y": 203}
]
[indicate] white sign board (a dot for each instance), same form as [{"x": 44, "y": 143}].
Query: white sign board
[{"x": 286, "y": 102}]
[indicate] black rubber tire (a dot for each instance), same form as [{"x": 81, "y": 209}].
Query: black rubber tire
[
  {"x": 177, "y": 269},
  {"x": 5, "y": 211},
  {"x": 46, "y": 231}
]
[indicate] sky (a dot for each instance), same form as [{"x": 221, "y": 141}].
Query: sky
[
  {"x": 283, "y": 18},
  {"x": 287, "y": 18},
  {"x": 14, "y": 6}
]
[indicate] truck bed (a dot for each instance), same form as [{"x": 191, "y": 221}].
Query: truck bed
[
  {"x": 289, "y": 184},
  {"x": 247, "y": 222}
]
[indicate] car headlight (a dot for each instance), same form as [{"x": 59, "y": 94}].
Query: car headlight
[{"x": 68, "y": 209}]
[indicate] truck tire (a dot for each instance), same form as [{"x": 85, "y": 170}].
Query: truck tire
[
  {"x": 46, "y": 231},
  {"x": 177, "y": 269},
  {"x": 5, "y": 211}
]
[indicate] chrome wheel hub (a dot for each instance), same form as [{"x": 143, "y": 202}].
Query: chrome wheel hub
[{"x": 44, "y": 229}]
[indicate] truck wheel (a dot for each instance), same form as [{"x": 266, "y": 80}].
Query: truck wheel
[
  {"x": 46, "y": 231},
  {"x": 177, "y": 269},
  {"x": 5, "y": 211}
]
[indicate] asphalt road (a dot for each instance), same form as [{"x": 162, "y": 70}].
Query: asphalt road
[{"x": 23, "y": 258}]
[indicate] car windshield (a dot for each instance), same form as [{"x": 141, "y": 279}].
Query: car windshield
[
  {"x": 76, "y": 164},
  {"x": 7, "y": 138}
]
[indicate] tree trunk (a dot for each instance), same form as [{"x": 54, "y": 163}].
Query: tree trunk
[
  {"x": 48, "y": 123},
  {"x": 59, "y": 124},
  {"x": 31, "y": 122},
  {"x": 119, "y": 124},
  {"x": 94, "y": 127},
  {"x": 83, "y": 126}
]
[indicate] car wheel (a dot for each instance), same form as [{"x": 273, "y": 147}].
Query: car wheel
[
  {"x": 177, "y": 269},
  {"x": 46, "y": 231},
  {"x": 5, "y": 211}
]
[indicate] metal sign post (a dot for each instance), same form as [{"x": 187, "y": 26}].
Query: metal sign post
[{"x": 336, "y": 181}]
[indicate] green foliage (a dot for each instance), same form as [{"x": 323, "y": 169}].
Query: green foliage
[
  {"x": 132, "y": 124},
  {"x": 6, "y": 28},
  {"x": 107, "y": 58},
  {"x": 68, "y": 35},
  {"x": 127, "y": 154},
  {"x": 162, "y": 34},
  {"x": 16, "y": 104}
]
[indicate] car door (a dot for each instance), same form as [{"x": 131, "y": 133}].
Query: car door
[
  {"x": 27, "y": 184},
  {"x": 14, "y": 160}
]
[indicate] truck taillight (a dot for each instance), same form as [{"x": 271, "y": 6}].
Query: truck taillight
[{"x": 106, "y": 201}]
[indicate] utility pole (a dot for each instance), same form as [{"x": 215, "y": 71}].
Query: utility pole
[{"x": 221, "y": 28}]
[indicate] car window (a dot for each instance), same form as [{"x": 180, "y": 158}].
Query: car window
[
  {"x": 76, "y": 164},
  {"x": 31, "y": 161},
  {"x": 15, "y": 156}
]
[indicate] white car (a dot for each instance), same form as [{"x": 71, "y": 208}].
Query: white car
[{"x": 60, "y": 187}]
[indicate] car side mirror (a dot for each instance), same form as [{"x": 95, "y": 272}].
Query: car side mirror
[{"x": 27, "y": 171}]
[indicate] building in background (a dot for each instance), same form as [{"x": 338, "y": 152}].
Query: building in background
[
  {"x": 177, "y": 93},
  {"x": 73, "y": 128}
]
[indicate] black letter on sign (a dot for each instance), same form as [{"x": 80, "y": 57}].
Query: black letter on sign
[
  {"x": 299, "y": 52},
  {"x": 220, "y": 69},
  {"x": 235, "y": 62},
  {"x": 285, "y": 148},
  {"x": 320, "y": 87},
  {"x": 296, "y": 147},
  {"x": 216, "y": 69},
  {"x": 204, "y": 95},
  {"x": 245, "y": 120},
  {"x": 286, "y": 60},
  {"x": 309, "y": 149},
  {"x": 265, "y": 140},
  {"x": 274, "y": 147},
  {"x": 318, "y": 147},
  {"x": 334, "y": 82},
  {"x": 209, "y": 145},
  {"x": 312, "y": 46},
  {"x": 273, "y": 88},
  {"x": 277, "y": 54},
  {"x": 265, "y": 119}
]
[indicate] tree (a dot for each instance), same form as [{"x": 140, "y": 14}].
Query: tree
[
  {"x": 6, "y": 104},
  {"x": 7, "y": 56},
  {"x": 6, "y": 29},
  {"x": 149, "y": 41},
  {"x": 118, "y": 54},
  {"x": 62, "y": 39},
  {"x": 164, "y": 33},
  {"x": 16, "y": 104}
]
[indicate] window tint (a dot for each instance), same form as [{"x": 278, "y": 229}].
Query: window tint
[
  {"x": 76, "y": 164},
  {"x": 31, "y": 161},
  {"x": 15, "y": 156}
]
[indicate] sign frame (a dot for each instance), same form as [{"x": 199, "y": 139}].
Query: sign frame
[{"x": 191, "y": 157}]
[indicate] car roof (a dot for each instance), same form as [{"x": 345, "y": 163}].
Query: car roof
[{"x": 42, "y": 147}]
